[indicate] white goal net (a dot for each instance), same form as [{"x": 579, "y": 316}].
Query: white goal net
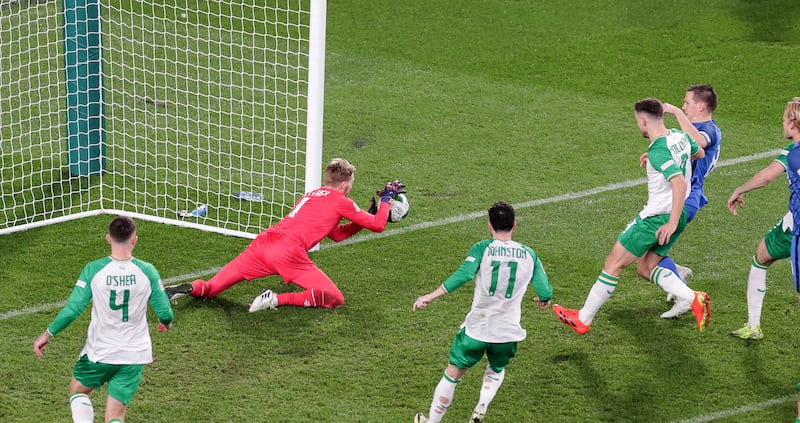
[{"x": 158, "y": 109}]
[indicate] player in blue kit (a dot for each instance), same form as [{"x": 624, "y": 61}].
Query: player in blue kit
[
  {"x": 791, "y": 129},
  {"x": 696, "y": 119},
  {"x": 775, "y": 245}
]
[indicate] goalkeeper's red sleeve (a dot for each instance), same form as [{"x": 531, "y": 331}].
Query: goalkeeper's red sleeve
[{"x": 345, "y": 231}]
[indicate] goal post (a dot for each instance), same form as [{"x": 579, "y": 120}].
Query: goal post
[{"x": 212, "y": 103}]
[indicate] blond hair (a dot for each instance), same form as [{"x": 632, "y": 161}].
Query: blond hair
[
  {"x": 338, "y": 171},
  {"x": 793, "y": 112}
]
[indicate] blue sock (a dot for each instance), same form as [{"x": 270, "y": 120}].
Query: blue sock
[{"x": 667, "y": 263}]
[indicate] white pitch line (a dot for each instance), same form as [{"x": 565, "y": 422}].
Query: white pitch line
[
  {"x": 425, "y": 225},
  {"x": 532, "y": 203},
  {"x": 739, "y": 410},
  {"x": 45, "y": 307}
]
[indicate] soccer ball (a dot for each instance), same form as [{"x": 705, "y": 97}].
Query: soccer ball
[{"x": 399, "y": 209}]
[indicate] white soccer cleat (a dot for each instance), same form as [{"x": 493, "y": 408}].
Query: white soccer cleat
[
  {"x": 685, "y": 274},
  {"x": 267, "y": 300},
  {"x": 680, "y": 308},
  {"x": 420, "y": 418},
  {"x": 477, "y": 415}
]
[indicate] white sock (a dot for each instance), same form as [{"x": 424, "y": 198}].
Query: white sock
[
  {"x": 82, "y": 410},
  {"x": 601, "y": 291},
  {"x": 756, "y": 289},
  {"x": 442, "y": 398},
  {"x": 672, "y": 283},
  {"x": 491, "y": 383}
]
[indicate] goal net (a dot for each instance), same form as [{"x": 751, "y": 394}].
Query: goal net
[{"x": 199, "y": 113}]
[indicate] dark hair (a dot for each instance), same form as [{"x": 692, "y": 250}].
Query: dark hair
[
  {"x": 501, "y": 216},
  {"x": 121, "y": 229},
  {"x": 650, "y": 106},
  {"x": 704, "y": 93}
]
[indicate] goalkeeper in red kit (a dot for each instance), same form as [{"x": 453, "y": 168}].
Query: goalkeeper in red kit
[{"x": 282, "y": 249}]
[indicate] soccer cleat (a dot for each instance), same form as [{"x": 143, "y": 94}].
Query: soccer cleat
[
  {"x": 420, "y": 418},
  {"x": 678, "y": 309},
  {"x": 176, "y": 291},
  {"x": 477, "y": 415},
  {"x": 266, "y": 300},
  {"x": 686, "y": 275},
  {"x": 701, "y": 308},
  {"x": 570, "y": 318},
  {"x": 746, "y": 333}
]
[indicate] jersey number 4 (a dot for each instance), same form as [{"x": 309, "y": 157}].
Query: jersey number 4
[{"x": 126, "y": 295}]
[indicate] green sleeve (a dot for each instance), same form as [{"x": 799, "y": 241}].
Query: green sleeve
[
  {"x": 77, "y": 302},
  {"x": 540, "y": 282},
  {"x": 468, "y": 269},
  {"x": 158, "y": 298},
  {"x": 160, "y": 303},
  {"x": 782, "y": 157},
  {"x": 695, "y": 147},
  {"x": 661, "y": 159}
]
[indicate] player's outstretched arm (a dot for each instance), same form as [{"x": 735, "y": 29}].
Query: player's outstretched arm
[
  {"x": 759, "y": 180},
  {"x": 41, "y": 343},
  {"x": 686, "y": 124},
  {"x": 426, "y": 299}
]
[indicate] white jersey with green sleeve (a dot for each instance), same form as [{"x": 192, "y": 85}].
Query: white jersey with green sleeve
[
  {"x": 119, "y": 291},
  {"x": 667, "y": 157},
  {"x": 502, "y": 271}
]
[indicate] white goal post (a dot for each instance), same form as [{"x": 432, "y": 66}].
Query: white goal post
[{"x": 150, "y": 108}]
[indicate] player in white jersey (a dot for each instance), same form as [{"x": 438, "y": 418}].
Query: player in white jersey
[
  {"x": 118, "y": 341},
  {"x": 657, "y": 227},
  {"x": 502, "y": 269}
]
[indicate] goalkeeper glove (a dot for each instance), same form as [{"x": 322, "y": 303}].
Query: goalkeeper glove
[
  {"x": 391, "y": 190},
  {"x": 373, "y": 206}
]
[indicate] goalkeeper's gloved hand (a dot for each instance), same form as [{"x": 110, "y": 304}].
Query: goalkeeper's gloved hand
[
  {"x": 391, "y": 190},
  {"x": 399, "y": 186},
  {"x": 373, "y": 206}
]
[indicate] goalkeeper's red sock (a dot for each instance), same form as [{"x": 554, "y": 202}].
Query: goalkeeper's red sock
[
  {"x": 199, "y": 288},
  {"x": 224, "y": 279},
  {"x": 312, "y": 298}
]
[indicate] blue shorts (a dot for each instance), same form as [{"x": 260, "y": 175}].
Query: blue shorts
[{"x": 694, "y": 202}]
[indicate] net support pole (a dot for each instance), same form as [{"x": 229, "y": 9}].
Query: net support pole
[
  {"x": 84, "y": 87},
  {"x": 316, "y": 94}
]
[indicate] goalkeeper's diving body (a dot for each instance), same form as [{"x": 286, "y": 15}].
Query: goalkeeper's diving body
[{"x": 282, "y": 249}]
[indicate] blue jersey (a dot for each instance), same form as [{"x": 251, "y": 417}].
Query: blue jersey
[
  {"x": 793, "y": 172},
  {"x": 702, "y": 167}
]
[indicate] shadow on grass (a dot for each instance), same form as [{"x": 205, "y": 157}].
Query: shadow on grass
[
  {"x": 767, "y": 19},
  {"x": 663, "y": 363}
]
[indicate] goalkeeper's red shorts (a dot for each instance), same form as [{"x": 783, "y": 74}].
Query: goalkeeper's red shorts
[{"x": 272, "y": 254}]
